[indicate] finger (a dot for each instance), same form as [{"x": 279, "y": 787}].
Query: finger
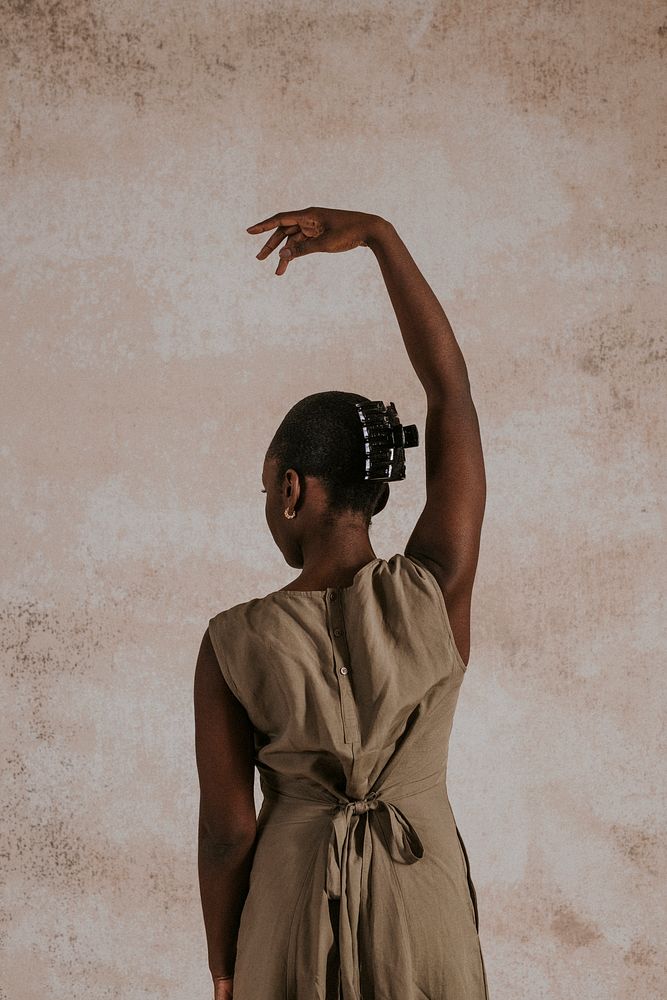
[
  {"x": 296, "y": 245},
  {"x": 282, "y": 266},
  {"x": 281, "y": 219},
  {"x": 301, "y": 244},
  {"x": 293, "y": 247},
  {"x": 275, "y": 239}
]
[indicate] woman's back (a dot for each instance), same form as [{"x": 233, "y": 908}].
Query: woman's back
[{"x": 359, "y": 869}]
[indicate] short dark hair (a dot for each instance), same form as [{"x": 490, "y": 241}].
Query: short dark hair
[{"x": 322, "y": 436}]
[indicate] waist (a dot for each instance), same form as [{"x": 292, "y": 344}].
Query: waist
[
  {"x": 310, "y": 798},
  {"x": 351, "y": 827}
]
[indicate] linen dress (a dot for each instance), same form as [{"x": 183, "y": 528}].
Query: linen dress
[{"x": 360, "y": 885}]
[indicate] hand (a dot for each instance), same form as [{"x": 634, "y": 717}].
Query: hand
[
  {"x": 223, "y": 989},
  {"x": 330, "y": 230}
]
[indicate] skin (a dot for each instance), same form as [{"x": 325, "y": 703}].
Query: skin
[{"x": 329, "y": 551}]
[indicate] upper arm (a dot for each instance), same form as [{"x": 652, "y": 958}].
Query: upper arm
[
  {"x": 447, "y": 534},
  {"x": 225, "y": 750}
]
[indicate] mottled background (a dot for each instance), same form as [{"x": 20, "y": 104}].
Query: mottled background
[{"x": 148, "y": 357}]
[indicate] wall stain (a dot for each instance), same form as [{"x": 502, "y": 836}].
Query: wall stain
[
  {"x": 641, "y": 953},
  {"x": 572, "y": 930},
  {"x": 553, "y": 55},
  {"x": 621, "y": 343},
  {"x": 642, "y": 847}
]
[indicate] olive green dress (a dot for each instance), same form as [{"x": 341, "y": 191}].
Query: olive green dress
[{"x": 360, "y": 886}]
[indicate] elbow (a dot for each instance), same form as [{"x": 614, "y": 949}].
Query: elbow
[
  {"x": 228, "y": 847},
  {"x": 232, "y": 841},
  {"x": 451, "y": 391}
]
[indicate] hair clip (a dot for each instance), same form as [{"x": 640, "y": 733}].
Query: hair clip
[{"x": 385, "y": 440}]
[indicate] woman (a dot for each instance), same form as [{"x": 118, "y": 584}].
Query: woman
[{"x": 353, "y": 882}]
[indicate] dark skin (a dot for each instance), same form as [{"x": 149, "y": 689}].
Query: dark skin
[
  {"x": 328, "y": 551},
  {"x": 446, "y": 536}
]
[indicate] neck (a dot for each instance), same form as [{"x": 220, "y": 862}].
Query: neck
[{"x": 332, "y": 561}]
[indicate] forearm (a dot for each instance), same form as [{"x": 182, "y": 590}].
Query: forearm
[
  {"x": 429, "y": 339},
  {"x": 224, "y": 873}
]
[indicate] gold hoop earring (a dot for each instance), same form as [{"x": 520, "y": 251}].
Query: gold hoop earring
[{"x": 287, "y": 513}]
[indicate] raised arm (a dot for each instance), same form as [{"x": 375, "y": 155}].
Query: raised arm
[
  {"x": 224, "y": 747},
  {"x": 446, "y": 536}
]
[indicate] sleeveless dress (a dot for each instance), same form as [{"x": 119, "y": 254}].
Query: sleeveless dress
[{"x": 360, "y": 885}]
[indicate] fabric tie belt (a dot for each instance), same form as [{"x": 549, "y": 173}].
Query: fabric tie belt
[
  {"x": 372, "y": 926},
  {"x": 348, "y": 871}
]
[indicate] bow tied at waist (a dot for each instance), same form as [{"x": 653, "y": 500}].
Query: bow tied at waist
[
  {"x": 363, "y": 805},
  {"x": 399, "y": 836},
  {"x": 360, "y": 907},
  {"x": 349, "y": 866}
]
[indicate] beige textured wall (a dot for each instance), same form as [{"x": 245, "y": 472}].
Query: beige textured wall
[{"x": 148, "y": 358}]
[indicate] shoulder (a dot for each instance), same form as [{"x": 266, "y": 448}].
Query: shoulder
[
  {"x": 236, "y": 609},
  {"x": 236, "y": 613},
  {"x": 416, "y": 569},
  {"x": 243, "y": 625},
  {"x": 424, "y": 567},
  {"x": 454, "y": 598},
  {"x": 226, "y": 633},
  {"x": 410, "y": 581}
]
